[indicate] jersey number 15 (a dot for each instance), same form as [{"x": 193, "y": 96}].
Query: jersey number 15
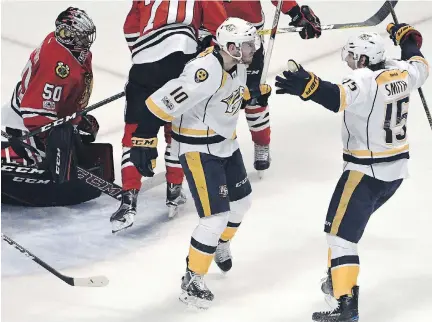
[{"x": 396, "y": 128}]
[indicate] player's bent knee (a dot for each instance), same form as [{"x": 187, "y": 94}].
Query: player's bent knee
[
  {"x": 341, "y": 247},
  {"x": 239, "y": 208},
  {"x": 213, "y": 225}
]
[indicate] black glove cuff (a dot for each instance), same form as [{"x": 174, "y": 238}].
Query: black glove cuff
[{"x": 295, "y": 11}]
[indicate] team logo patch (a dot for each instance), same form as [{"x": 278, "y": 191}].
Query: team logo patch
[
  {"x": 62, "y": 70},
  {"x": 223, "y": 191},
  {"x": 201, "y": 75},
  {"x": 234, "y": 101}
]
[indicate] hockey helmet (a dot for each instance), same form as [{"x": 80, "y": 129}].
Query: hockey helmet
[
  {"x": 238, "y": 32},
  {"x": 75, "y": 29},
  {"x": 368, "y": 44}
]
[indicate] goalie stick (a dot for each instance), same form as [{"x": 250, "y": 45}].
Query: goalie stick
[
  {"x": 376, "y": 19},
  {"x": 420, "y": 91},
  {"x": 108, "y": 188},
  {"x": 93, "y": 281},
  {"x": 68, "y": 118}
]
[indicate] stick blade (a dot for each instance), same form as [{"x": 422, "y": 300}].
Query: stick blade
[{"x": 94, "y": 281}]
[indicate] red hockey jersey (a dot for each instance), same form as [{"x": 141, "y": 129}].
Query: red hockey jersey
[
  {"x": 155, "y": 28},
  {"x": 251, "y": 10},
  {"x": 53, "y": 84}
]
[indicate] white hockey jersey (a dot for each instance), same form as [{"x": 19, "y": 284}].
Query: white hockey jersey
[
  {"x": 374, "y": 128},
  {"x": 203, "y": 105}
]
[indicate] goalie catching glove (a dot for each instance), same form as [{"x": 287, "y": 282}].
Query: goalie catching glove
[
  {"x": 143, "y": 154},
  {"x": 401, "y": 32}
]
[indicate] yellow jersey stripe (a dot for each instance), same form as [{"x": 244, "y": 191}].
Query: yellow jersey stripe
[
  {"x": 370, "y": 154},
  {"x": 156, "y": 110}
]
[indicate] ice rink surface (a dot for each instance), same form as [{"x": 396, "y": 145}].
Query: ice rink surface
[{"x": 280, "y": 251}]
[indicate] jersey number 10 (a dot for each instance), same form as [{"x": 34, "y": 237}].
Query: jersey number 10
[{"x": 400, "y": 123}]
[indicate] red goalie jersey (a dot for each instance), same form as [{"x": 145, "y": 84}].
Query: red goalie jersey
[
  {"x": 251, "y": 10},
  {"x": 155, "y": 29},
  {"x": 53, "y": 84}
]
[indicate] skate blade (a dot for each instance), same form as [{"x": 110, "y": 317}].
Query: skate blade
[
  {"x": 261, "y": 174},
  {"x": 172, "y": 211},
  {"x": 117, "y": 226},
  {"x": 194, "y": 302}
]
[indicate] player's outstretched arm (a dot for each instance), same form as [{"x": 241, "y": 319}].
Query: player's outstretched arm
[{"x": 309, "y": 86}]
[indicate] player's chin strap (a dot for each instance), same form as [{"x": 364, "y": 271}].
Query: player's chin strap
[{"x": 376, "y": 19}]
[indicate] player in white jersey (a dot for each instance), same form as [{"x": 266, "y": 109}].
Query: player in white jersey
[
  {"x": 375, "y": 100},
  {"x": 203, "y": 105}
]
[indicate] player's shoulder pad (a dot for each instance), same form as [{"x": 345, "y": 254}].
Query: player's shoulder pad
[
  {"x": 361, "y": 76},
  {"x": 206, "y": 67}
]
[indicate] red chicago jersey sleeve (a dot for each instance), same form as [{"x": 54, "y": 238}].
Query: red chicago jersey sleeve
[
  {"x": 53, "y": 84},
  {"x": 251, "y": 11},
  {"x": 153, "y": 23}
]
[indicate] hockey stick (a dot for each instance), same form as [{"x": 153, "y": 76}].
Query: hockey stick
[
  {"x": 71, "y": 117},
  {"x": 420, "y": 91},
  {"x": 108, "y": 188},
  {"x": 269, "y": 51},
  {"x": 93, "y": 281},
  {"x": 377, "y": 18}
]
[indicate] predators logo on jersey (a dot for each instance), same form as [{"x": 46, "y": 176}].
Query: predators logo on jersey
[{"x": 234, "y": 101}]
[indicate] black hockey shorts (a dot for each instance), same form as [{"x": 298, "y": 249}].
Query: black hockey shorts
[
  {"x": 356, "y": 197},
  {"x": 29, "y": 186},
  {"x": 145, "y": 79},
  {"x": 214, "y": 181}
]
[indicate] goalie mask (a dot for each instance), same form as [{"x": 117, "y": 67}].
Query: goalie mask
[
  {"x": 244, "y": 37},
  {"x": 369, "y": 45},
  {"x": 75, "y": 30}
]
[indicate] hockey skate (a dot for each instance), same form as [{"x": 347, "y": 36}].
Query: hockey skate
[
  {"x": 347, "y": 310},
  {"x": 124, "y": 216},
  {"x": 261, "y": 159},
  {"x": 194, "y": 291},
  {"x": 223, "y": 258},
  {"x": 175, "y": 198}
]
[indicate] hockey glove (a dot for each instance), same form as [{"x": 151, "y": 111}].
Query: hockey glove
[
  {"x": 205, "y": 39},
  {"x": 143, "y": 154},
  {"x": 400, "y": 32},
  {"x": 300, "y": 83},
  {"x": 60, "y": 152},
  {"x": 257, "y": 96},
  {"x": 304, "y": 17},
  {"x": 88, "y": 128}
]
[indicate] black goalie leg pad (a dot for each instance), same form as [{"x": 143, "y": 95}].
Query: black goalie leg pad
[{"x": 60, "y": 147}]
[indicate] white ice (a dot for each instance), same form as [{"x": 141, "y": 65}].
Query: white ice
[{"x": 280, "y": 251}]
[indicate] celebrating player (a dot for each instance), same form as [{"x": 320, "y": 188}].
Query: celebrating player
[
  {"x": 203, "y": 105},
  {"x": 162, "y": 37},
  {"x": 375, "y": 100}
]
